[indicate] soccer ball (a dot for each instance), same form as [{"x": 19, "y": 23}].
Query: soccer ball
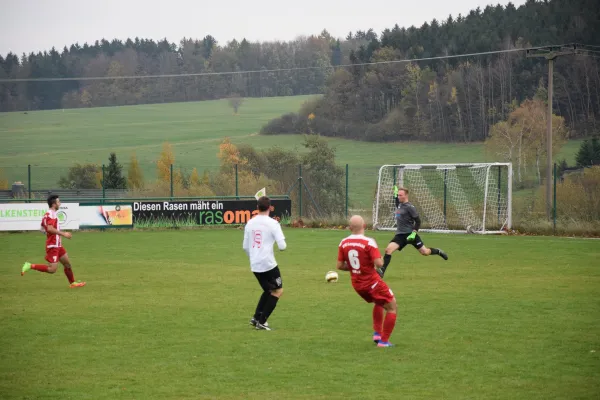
[{"x": 331, "y": 277}]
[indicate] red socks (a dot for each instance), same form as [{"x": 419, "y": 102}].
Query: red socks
[
  {"x": 388, "y": 326},
  {"x": 44, "y": 268},
  {"x": 378, "y": 318},
  {"x": 384, "y": 326},
  {"x": 69, "y": 274},
  {"x": 40, "y": 267}
]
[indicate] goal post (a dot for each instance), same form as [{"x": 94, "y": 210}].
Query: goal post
[{"x": 452, "y": 198}]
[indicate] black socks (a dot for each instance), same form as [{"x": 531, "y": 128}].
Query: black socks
[
  {"x": 261, "y": 305},
  {"x": 270, "y": 305}
]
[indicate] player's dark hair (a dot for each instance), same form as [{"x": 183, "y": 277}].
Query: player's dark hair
[
  {"x": 264, "y": 203},
  {"x": 52, "y": 199},
  {"x": 403, "y": 189}
]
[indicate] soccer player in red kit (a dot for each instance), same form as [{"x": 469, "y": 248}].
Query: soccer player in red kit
[
  {"x": 359, "y": 255},
  {"x": 55, "y": 252}
]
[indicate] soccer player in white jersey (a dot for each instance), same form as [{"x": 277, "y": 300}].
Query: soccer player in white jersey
[{"x": 260, "y": 235}]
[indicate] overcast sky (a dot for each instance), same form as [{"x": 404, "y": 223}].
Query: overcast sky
[{"x": 34, "y": 25}]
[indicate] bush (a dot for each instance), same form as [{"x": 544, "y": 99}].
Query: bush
[
  {"x": 564, "y": 227},
  {"x": 223, "y": 184},
  {"x": 285, "y": 124},
  {"x": 577, "y": 206},
  {"x": 254, "y": 161},
  {"x": 310, "y": 107},
  {"x": 3, "y": 180},
  {"x": 82, "y": 176},
  {"x": 578, "y": 196}
]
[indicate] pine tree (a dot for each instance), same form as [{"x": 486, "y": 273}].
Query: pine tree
[
  {"x": 595, "y": 151},
  {"x": 113, "y": 178},
  {"x": 589, "y": 153}
]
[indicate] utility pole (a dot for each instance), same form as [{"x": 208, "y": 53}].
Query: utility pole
[{"x": 550, "y": 53}]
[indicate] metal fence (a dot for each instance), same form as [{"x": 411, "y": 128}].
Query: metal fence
[{"x": 314, "y": 195}]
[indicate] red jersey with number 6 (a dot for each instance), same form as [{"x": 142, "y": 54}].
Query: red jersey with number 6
[
  {"x": 360, "y": 252},
  {"x": 51, "y": 219}
]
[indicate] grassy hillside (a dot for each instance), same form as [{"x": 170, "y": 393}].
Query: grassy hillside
[
  {"x": 54, "y": 140},
  {"x": 51, "y": 141}
]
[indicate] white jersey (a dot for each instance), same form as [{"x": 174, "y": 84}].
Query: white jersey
[{"x": 260, "y": 235}]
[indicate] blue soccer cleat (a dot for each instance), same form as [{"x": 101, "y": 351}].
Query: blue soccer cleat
[{"x": 376, "y": 337}]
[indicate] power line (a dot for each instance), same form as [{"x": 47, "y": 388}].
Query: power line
[
  {"x": 447, "y": 57},
  {"x": 587, "y": 45},
  {"x": 584, "y": 51}
]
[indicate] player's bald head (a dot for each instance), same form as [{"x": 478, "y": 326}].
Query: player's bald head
[{"x": 357, "y": 224}]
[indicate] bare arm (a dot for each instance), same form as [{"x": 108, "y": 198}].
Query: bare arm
[
  {"x": 342, "y": 266},
  {"x": 378, "y": 262},
  {"x": 53, "y": 231}
]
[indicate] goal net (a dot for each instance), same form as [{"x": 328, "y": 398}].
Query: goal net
[{"x": 457, "y": 198}]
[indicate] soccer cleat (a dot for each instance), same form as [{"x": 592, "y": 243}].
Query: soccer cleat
[
  {"x": 443, "y": 255},
  {"x": 384, "y": 344},
  {"x": 380, "y": 272},
  {"x": 262, "y": 327},
  {"x": 77, "y": 284},
  {"x": 376, "y": 337},
  {"x": 254, "y": 321},
  {"x": 26, "y": 267}
]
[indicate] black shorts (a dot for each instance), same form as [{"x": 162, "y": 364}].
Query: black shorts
[
  {"x": 400, "y": 239},
  {"x": 269, "y": 280}
]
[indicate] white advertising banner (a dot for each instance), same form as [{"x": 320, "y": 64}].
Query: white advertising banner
[
  {"x": 28, "y": 217},
  {"x": 102, "y": 216}
]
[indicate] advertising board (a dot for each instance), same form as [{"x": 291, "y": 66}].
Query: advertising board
[
  {"x": 28, "y": 216},
  {"x": 204, "y": 212}
]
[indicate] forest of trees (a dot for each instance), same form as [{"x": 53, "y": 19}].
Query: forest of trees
[
  {"x": 460, "y": 99},
  {"x": 449, "y": 100}
]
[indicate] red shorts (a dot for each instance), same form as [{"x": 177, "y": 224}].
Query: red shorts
[
  {"x": 379, "y": 294},
  {"x": 54, "y": 254}
]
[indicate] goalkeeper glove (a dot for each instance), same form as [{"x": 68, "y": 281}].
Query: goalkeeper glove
[
  {"x": 411, "y": 237},
  {"x": 395, "y": 191}
]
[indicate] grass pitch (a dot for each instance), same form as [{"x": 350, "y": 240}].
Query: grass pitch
[{"x": 165, "y": 316}]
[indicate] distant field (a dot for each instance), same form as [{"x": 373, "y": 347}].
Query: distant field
[
  {"x": 54, "y": 140},
  {"x": 51, "y": 141}
]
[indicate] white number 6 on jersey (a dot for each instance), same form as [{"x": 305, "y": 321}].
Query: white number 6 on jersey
[{"x": 353, "y": 258}]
